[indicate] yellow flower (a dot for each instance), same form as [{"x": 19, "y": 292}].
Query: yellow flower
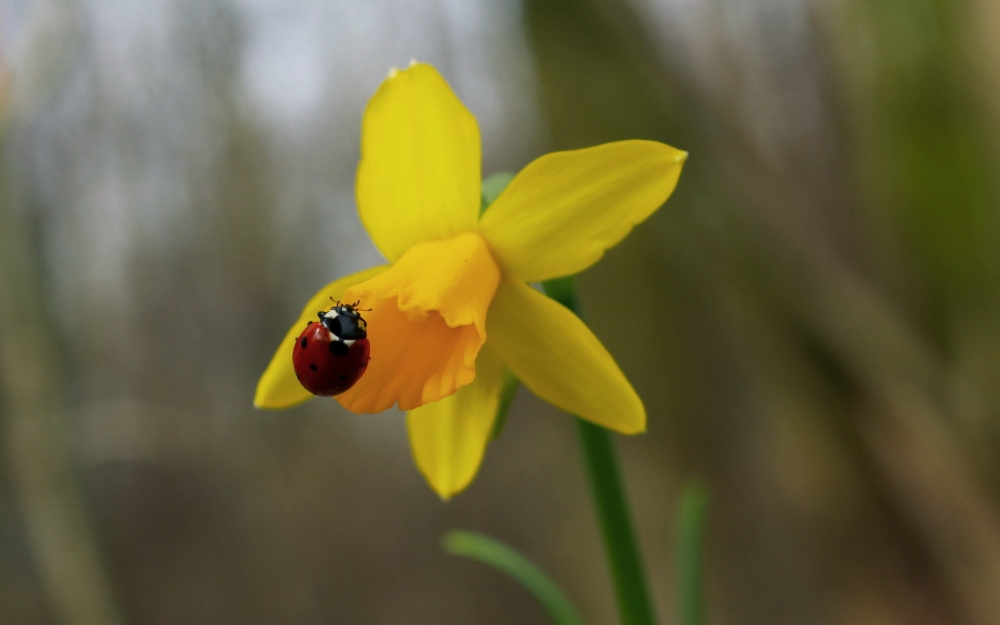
[{"x": 454, "y": 308}]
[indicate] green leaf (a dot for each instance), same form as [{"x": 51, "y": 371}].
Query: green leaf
[
  {"x": 690, "y": 535},
  {"x": 493, "y": 186},
  {"x": 510, "y": 384},
  {"x": 563, "y": 290},
  {"x": 494, "y": 553}
]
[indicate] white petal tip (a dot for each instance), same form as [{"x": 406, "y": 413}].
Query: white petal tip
[
  {"x": 412, "y": 62},
  {"x": 392, "y": 73}
]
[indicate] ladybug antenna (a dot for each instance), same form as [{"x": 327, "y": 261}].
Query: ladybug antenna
[{"x": 355, "y": 307}]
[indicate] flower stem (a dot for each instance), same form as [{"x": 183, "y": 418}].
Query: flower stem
[
  {"x": 620, "y": 546},
  {"x": 619, "y": 539}
]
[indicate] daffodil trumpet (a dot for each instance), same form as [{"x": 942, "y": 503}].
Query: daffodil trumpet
[{"x": 453, "y": 310}]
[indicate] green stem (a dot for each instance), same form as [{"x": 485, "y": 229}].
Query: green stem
[
  {"x": 620, "y": 545},
  {"x": 690, "y": 563}
]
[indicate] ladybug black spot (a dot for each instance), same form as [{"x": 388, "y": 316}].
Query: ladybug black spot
[
  {"x": 313, "y": 367},
  {"x": 304, "y": 343},
  {"x": 343, "y": 377},
  {"x": 338, "y": 348}
]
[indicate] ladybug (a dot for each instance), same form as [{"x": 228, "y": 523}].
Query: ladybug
[{"x": 331, "y": 354}]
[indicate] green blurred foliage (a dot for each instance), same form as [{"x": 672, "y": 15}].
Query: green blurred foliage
[{"x": 815, "y": 315}]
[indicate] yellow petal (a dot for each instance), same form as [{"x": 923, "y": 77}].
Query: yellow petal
[
  {"x": 564, "y": 209},
  {"x": 557, "y": 356},
  {"x": 279, "y": 388},
  {"x": 426, "y": 323},
  {"x": 449, "y": 437},
  {"x": 419, "y": 174}
]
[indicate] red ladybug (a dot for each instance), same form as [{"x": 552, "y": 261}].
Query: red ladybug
[{"x": 332, "y": 354}]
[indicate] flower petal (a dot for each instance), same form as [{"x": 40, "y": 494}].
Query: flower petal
[
  {"x": 279, "y": 388},
  {"x": 420, "y": 162},
  {"x": 426, "y": 323},
  {"x": 449, "y": 437},
  {"x": 560, "y": 360},
  {"x": 560, "y": 214}
]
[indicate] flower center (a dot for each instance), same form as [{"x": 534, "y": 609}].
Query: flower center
[{"x": 426, "y": 324}]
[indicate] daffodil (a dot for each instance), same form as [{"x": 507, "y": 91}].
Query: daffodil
[{"x": 454, "y": 306}]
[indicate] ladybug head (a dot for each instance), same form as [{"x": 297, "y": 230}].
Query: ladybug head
[{"x": 345, "y": 321}]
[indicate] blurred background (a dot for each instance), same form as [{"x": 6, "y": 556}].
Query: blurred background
[{"x": 813, "y": 319}]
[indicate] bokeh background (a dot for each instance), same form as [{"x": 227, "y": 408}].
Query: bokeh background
[{"x": 813, "y": 319}]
